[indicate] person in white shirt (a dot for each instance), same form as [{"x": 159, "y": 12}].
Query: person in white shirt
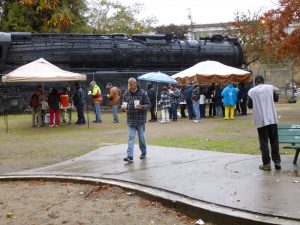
[{"x": 262, "y": 98}]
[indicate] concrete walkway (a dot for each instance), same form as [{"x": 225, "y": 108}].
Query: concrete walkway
[{"x": 210, "y": 185}]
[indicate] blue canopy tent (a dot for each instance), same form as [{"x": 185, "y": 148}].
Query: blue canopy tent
[{"x": 157, "y": 77}]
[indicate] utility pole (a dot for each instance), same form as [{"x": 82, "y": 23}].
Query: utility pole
[
  {"x": 293, "y": 84},
  {"x": 191, "y": 34}
]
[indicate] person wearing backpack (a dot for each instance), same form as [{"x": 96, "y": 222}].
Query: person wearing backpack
[{"x": 36, "y": 106}]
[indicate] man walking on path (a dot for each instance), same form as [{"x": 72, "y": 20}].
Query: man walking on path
[
  {"x": 136, "y": 103},
  {"x": 114, "y": 95},
  {"x": 262, "y": 98},
  {"x": 97, "y": 100}
]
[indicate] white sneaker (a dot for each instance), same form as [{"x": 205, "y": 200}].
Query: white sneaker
[
  {"x": 51, "y": 125},
  {"x": 162, "y": 121},
  {"x": 196, "y": 121}
]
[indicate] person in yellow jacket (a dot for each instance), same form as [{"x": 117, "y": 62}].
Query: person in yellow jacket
[{"x": 97, "y": 99}]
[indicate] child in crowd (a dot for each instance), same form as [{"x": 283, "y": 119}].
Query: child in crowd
[{"x": 165, "y": 102}]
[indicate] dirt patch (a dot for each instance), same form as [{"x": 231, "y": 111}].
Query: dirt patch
[{"x": 52, "y": 203}]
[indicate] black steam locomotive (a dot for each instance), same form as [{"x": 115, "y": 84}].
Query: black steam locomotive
[
  {"x": 115, "y": 52},
  {"x": 116, "y": 57}
]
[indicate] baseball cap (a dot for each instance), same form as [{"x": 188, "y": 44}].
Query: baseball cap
[
  {"x": 93, "y": 82},
  {"x": 259, "y": 78}
]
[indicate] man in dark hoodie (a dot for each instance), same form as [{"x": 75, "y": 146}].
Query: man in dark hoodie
[
  {"x": 152, "y": 97},
  {"x": 78, "y": 101}
]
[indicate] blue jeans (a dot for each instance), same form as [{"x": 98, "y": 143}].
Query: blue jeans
[
  {"x": 80, "y": 113},
  {"x": 196, "y": 110},
  {"x": 174, "y": 111},
  {"x": 97, "y": 111},
  {"x": 115, "y": 109},
  {"x": 142, "y": 142},
  {"x": 189, "y": 106}
]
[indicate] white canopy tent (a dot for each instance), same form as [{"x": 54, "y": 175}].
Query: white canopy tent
[
  {"x": 210, "y": 72},
  {"x": 40, "y": 70}
]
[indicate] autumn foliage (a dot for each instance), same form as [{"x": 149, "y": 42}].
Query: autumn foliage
[
  {"x": 270, "y": 37},
  {"x": 287, "y": 41},
  {"x": 59, "y": 20}
]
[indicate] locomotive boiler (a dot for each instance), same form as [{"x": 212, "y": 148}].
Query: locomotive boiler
[
  {"x": 95, "y": 52},
  {"x": 116, "y": 57}
]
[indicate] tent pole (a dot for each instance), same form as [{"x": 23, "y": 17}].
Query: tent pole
[
  {"x": 6, "y": 121},
  {"x": 156, "y": 100},
  {"x": 71, "y": 97},
  {"x": 5, "y": 115}
]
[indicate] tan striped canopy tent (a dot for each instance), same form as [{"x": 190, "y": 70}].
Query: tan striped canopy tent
[{"x": 207, "y": 72}]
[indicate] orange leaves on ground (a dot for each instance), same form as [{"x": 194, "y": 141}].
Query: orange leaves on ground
[{"x": 95, "y": 190}]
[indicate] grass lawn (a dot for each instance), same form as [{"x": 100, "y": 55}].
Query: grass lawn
[{"x": 26, "y": 147}]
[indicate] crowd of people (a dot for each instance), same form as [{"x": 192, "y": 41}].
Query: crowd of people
[
  {"x": 223, "y": 103},
  {"x": 56, "y": 103},
  {"x": 193, "y": 101}
]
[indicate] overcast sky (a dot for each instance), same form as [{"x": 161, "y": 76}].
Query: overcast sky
[{"x": 201, "y": 11}]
